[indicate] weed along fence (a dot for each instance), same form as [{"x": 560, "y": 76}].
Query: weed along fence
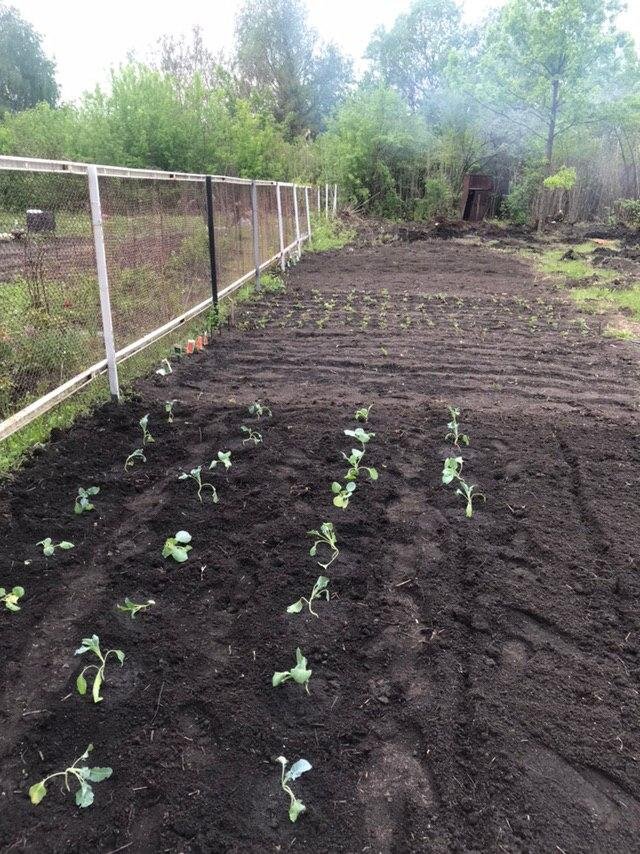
[{"x": 98, "y": 262}]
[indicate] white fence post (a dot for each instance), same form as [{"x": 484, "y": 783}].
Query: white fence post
[
  {"x": 283, "y": 260},
  {"x": 103, "y": 280},
  {"x": 306, "y": 204},
  {"x": 296, "y": 212},
  {"x": 326, "y": 201},
  {"x": 255, "y": 230},
  {"x": 335, "y": 200},
  {"x": 319, "y": 201}
]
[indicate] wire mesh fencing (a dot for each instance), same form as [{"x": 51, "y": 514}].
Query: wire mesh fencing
[{"x": 65, "y": 318}]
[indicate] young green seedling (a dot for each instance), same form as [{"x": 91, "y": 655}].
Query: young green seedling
[
  {"x": 298, "y": 768},
  {"x": 49, "y": 547},
  {"x": 342, "y": 494},
  {"x": 319, "y": 590},
  {"x": 133, "y": 608},
  {"x": 252, "y": 435},
  {"x": 354, "y": 459},
  {"x": 452, "y": 471},
  {"x": 83, "y": 504},
  {"x": 224, "y": 457},
  {"x": 455, "y": 435},
  {"x": 300, "y": 674},
  {"x": 362, "y": 414},
  {"x": 177, "y": 547},
  {"x": 326, "y": 535},
  {"x": 92, "y": 644},
  {"x": 259, "y": 409},
  {"x": 138, "y": 454},
  {"x": 359, "y": 435},
  {"x": 147, "y": 438},
  {"x": 165, "y": 368},
  {"x": 168, "y": 408},
  {"x": 84, "y": 777},
  {"x": 11, "y": 598},
  {"x": 196, "y": 475}
]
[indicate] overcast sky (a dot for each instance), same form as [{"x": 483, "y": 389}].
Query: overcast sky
[{"x": 87, "y": 39}]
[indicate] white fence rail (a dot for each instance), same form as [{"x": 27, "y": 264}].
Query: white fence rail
[{"x": 98, "y": 262}]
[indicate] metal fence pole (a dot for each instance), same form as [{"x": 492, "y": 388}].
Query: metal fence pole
[
  {"x": 212, "y": 240},
  {"x": 103, "y": 280},
  {"x": 283, "y": 260},
  {"x": 335, "y": 200},
  {"x": 295, "y": 213},
  {"x": 306, "y": 204},
  {"x": 326, "y": 201},
  {"x": 319, "y": 200},
  {"x": 255, "y": 230}
]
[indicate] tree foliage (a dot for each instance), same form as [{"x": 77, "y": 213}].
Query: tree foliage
[{"x": 27, "y": 76}]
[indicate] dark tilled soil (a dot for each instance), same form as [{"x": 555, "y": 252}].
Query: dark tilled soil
[{"x": 475, "y": 682}]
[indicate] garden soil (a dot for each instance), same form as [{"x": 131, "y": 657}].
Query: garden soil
[{"x": 475, "y": 681}]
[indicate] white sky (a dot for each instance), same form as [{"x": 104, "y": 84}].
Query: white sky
[{"x": 88, "y": 38}]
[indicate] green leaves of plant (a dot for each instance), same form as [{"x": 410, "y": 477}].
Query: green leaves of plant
[
  {"x": 342, "y": 494},
  {"x": 92, "y": 644},
  {"x": 37, "y": 792},
  {"x": 83, "y": 775},
  {"x": 296, "y": 807},
  {"x": 177, "y": 547},
  {"x": 11, "y": 599},
  {"x": 49, "y": 547},
  {"x": 319, "y": 589},
  {"x": 147, "y": 438},
  {"x": 252, "y": 435},
  {"x": 452, "y": 468},
  {"x": 133, "y": 608},
  {"x": 138, "y": 454},
  {"x": 300, "y": 673},
  {"x": 224, "y": 457},
  {"x": 259, "y": 409},
  {"x": 83, "y": 504},
  {"x": 360, "y": 435}
]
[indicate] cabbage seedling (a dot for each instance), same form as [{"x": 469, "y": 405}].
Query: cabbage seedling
[
  {"x": 177, "y": 547},
  {"x": 84, "y": 777},
  {"x": 300, "y": 674},
  {"x": 49, "y": 547},
  {"x": 455, "y": 435},
  {"x": 354, "y": 459},
  {"x": 11, "y": 599},
  {"x": 196, "y": 475},
  {"x": 342, "y": 494},
  {"x": 298, "y": 768},
  {"x": 326, "y": 535},
  {"x": 359, "y": 435},
  {"x": 259, "y": 409},
  {"x": 138, "y": 454},
  {"x": 165, "y": 368},
  {"x": 319, "y": 590},
  {"x": 362, "y": 414},
  {"x": 168, "y": 408},
  {"x": 92, "y": 644},
  {"x": 83, "y": 504},
  {"x": 452, "y": 471},
  {"x": 224, "y": 457},
  {"x": 252, "y": 435},
  {"x": 147, "y": 438},
  {"x": 133, "y": 608}
]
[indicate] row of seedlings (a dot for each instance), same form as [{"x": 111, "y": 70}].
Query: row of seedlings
[{"x": 452, "y": 470}]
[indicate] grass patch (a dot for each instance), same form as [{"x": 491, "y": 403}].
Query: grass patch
[
  {"x": 329, "y": 234},
  {"x": 595, "y": 299},
  {"x": 550, "y": 262}
]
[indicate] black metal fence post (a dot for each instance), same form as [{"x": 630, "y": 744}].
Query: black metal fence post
[{"x": 212, "y": 241}]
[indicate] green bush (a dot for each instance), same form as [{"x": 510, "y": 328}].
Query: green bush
[
  {"x": 516, "y": 206},
  {"x": 437, "y": 202},
  {"x": 627, "y": 212}
]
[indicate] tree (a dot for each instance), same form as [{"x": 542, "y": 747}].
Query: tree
[
  {"x": 279, "y": 53},
  {"x": 183, "y": 59},
  {"x": 27, "y": 76},
  {"x": 412, "y": 56}
]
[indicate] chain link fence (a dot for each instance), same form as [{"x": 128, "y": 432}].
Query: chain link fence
[{"x": 65, "y": 318}]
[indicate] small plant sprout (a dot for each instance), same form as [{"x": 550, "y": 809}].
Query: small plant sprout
[
  {"x": 83, "y": 503},
  {"x": 452, "y": 471},
  {"x": 84, "y": 775},
  {"x": 224, "y": 457},
  {"x": 359, "y": 435},
  {"x": 455, "y": 435},
  {"x": 138, "y": 454},
  {"x": 133, "y": 607},
  {"x": 354, "y": 459},
  {"x": 252, "y": 435},
  {"x": 342, "y": 494},
  {"x": 319, "y": 590},
  {"x": 298, "y": 768},
  {"x": 49, "y": 547},
  {"x": 147, "y": 438},
  {"x": 92, "y": 644},
  {"x": 196, "y": 475},
  {"x": 362, "y": 414},
  {"x": 177, "y": 547},
  {"x": 259, "y": 409},
  {"x": 326, "y": 535},
  {"x": 11, "y": 598},
  {"x": 165, "y": 368},
  {"x": 168, "y": 408},
  {"x": 300, "y": 674}
]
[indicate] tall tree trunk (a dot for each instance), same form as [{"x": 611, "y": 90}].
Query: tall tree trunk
[{"x": 551, "y": 135}]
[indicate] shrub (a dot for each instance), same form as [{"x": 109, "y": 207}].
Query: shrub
[
  {"x": 437, "y": 202},
  {"x": 627, "y": 212}
]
